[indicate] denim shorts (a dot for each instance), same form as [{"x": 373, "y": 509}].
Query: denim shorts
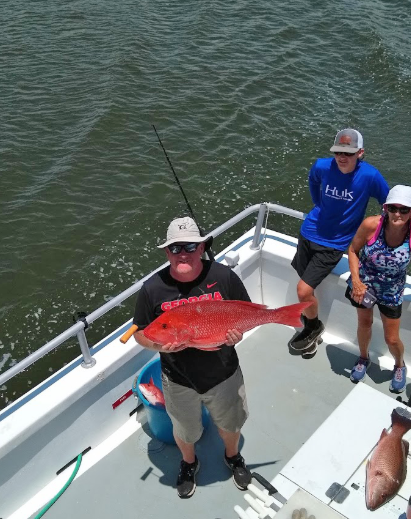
[{"x": 226, "y": 403}]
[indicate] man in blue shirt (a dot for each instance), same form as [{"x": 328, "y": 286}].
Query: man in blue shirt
[{"x": 340, "y": 188}]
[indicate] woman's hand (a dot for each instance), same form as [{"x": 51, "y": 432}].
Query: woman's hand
[
  {"x": 233, "y": 337},
  {"x": 358, "y": 291}
]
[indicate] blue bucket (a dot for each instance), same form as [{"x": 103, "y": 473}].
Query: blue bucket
[{"x": 157, "y": 417}]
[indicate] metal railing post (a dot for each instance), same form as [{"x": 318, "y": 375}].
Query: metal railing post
[
  {"x": 258, "y": 226},
  {"x": 88, "y": 361}
]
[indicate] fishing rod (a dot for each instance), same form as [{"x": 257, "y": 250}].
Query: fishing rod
[
  {"x": 202, "y": 233},
  {"x": 176, "y": 178}
]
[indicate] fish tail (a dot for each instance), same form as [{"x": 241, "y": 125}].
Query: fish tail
[
  {"x": 401, "y": 419},
  {"x": 289, "y": 315}
]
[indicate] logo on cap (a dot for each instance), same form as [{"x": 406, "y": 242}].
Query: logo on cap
[
  {"x": 182, "y": 227},
  {"x": 345, "y": 139}
]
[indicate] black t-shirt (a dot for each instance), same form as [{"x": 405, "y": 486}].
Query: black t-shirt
[{"x": 197, "y": 369}]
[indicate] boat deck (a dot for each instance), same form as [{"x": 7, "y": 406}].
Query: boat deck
[{"x": 288, "y": 398}]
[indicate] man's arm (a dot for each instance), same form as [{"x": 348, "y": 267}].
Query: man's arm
[
  {"x": 314, "y": 183},
  {"x": 381, "y": 188},
  {"x": 238, "y": 291}
]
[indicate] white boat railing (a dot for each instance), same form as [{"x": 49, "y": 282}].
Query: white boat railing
[{"x": 79, "y": 328}]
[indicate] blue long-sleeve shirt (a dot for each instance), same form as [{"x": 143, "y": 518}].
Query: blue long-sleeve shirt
[{"x": 340, "y": 201}]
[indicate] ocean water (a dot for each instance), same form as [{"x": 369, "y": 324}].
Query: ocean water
[{"x": 245, "y": 96}]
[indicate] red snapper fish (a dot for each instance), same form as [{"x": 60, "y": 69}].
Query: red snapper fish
[
  {"x": 152, "y": 393},
  {"x": 204, "y": 324},
  {"x": 387, "y": 468}
]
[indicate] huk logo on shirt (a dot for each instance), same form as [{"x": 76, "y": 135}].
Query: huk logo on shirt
[
  {"x": 167, "y": 305},
  {"x": 333, "y": 192}
]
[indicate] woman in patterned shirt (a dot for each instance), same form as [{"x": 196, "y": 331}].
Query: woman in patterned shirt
[{"x": 378, "y": 257}]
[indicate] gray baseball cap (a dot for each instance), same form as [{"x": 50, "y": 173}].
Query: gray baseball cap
[
  {"x": 348, "y": 140},
  {"x": 184, "y": 230}
]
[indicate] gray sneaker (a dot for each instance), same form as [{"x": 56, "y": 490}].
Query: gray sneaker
[
  {"x": 241, "y": 474},
  {"x": 186, "y": 480}
]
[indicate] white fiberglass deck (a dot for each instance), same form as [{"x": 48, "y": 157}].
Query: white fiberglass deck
[{"x": 289, "y": 398}]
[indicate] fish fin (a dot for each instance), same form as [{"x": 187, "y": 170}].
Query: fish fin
[
  {"x": 289, "y": 315},
  {"x": 367, "y": 468},
  {"x": 151, "y": 380},
  {"x": 400, "y": 417},
  {"x": 406, "y": 447},
  {"x": 384, "y": 433},
  {"x": 245, "y": 303}
]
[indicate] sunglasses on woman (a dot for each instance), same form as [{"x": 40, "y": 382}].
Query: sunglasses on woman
[
  {"x": 344, "y": 153},
  {"x": 188, "y": 247},
  {"x": 395, "y": 209}
]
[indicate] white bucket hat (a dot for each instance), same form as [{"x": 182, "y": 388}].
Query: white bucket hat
[
  {"x": 399, "y": 195},
  {"x": 184, "y": 230}
]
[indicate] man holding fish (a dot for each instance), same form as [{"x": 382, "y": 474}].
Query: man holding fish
[
  {"x": 194, "y": 312},
  {"x": 191, "y": 376}
]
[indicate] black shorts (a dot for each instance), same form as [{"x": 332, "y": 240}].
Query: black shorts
[
  {"x": 314, "y": 262},
  {"x": 392, "y": 312}
]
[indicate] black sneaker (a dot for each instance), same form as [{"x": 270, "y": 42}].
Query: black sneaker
[
  {"x": 186, "y": 480},
  {"x": 241, "y": 474},
  {"x": 306, "y": 337}
]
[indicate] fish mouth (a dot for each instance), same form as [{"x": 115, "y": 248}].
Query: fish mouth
[
  {"x": 371, "y": 503},
  {"x": 372, "y": 508},
  {"x": 371, "y": 499},
  {"x": 376, "y": 501}
]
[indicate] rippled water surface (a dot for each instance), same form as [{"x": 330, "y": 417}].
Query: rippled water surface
[{"x": 245, "y": 96}]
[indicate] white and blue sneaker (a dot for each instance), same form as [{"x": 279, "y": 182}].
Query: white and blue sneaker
[
  {"x": 399, "y": 379},
  {"x": 360, "y": 369}
]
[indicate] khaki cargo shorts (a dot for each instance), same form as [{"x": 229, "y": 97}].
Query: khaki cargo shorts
[{"x": 226, "y": 403}]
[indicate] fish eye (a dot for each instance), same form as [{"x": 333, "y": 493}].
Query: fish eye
[{"x": 164, "y": 325}]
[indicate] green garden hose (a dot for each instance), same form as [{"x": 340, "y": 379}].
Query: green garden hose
[{"x": 50, "y": 503}]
